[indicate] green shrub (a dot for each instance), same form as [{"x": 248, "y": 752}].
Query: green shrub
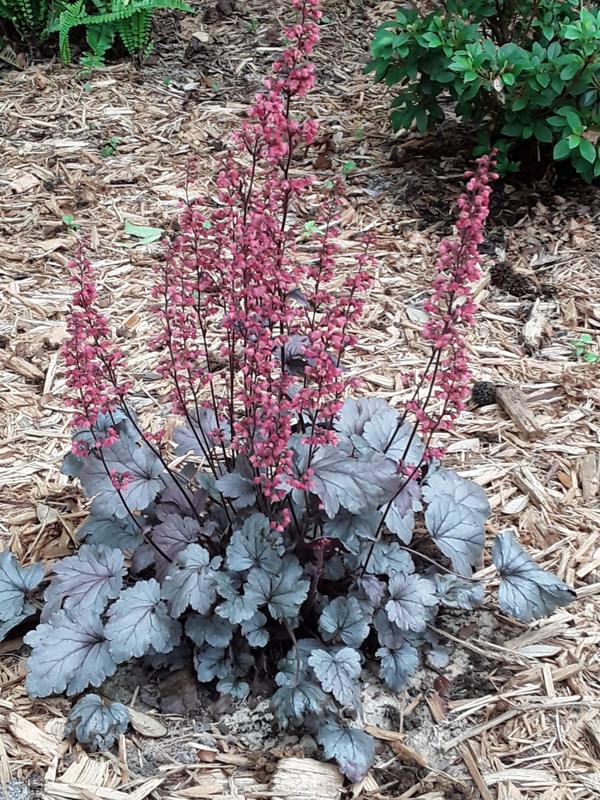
[{"x": 526, "y": 71}]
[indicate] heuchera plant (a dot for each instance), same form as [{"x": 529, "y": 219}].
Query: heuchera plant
[{"x": 294, "y": 537}]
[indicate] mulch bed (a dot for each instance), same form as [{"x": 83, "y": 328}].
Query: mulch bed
[{"x": 527, "y": 705}]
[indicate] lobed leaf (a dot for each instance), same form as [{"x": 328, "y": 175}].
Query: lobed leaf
[
  {"x": 138, "y": 620},
  {"x": 125, "y": 456},
  {"x": 112, "y": 532},
  {"x": 238, "y": 487},
  {"x": 455, "y": 592},
  {"x": 382, "y": 434},
  {"x": 465, "y": 492},
  {"x": 174, "y": 501},
  {"x": 8, "y": 625},
  {"x": 237, "y": 606},
  {"x": 388, "y": 633},
  {"x": 201, "y": 433},
  {"x": 210, "y": 630},
  {"x": 373, "y": 588},
  {"x": 356, "y": 412},
  {"x": 527, "y": 591},
  {"x": 398, "y": 664},
  {"x": 97, "y": 723},
  {"x": 385, "y": 558},
  {"x": 86, "y": 580},
  {"x": 400, "y": 517},
  {"x": 191, "y": 581},
  {"x": 234, "y": 687},
  {"x": 411, "y": 598},
  {"x": 283, "y": 594},
  {"x": 292, "y": 704},
  {"x": 337, "y": 672},
  {"x": 255, "y": 545},
  {"x": 356, "y": 484},
  {"x": 351, "y": 528},
  {"x": 255, "y": 631},
  {"x": 172, "y": 535},
  {"x": 16, "y": 582},
  {"x": 69, "y": 652},
  {"x": 353, "y": 749},
  {"x": 117, "y": 421},
  {"x": 457, "y": 530},
  {"x": 210, "y": 663},
  {"x": 344, "y": 619}
]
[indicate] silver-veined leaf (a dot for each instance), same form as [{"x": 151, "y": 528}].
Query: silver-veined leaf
[
  {"x": 344, "y": 619},
  {"x": 69, "y": 652},
  {"x": 191, "y": 581},
  {"x": 337, "y": 672},
  {"x": 86, "y": 580},
  {"x": 283, "y": 594},
  {"x": 353, "y": 749},
  {"x": 411, "y": 598},
  {"x": 398, "y": 664},
  {"x": 138, "y": 620},
  {"x": 97, "y": 723},
  {"x": 457, "y": 530},
  {"x": 16, "y": 582},
  {"x": 527, "y": 591}
]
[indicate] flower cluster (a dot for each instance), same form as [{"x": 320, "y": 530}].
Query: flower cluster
[
  {"x": 91, "y": 359},
  {"x": 247, "y": 276},
  {"x": 451, "y": 308}
]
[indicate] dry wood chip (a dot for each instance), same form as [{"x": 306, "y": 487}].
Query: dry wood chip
[
  {"x": 396, "y": 742},
  {"x": 306, "y": 779},
  {"x": 56, "y": 790},
  {"x": 471, "y": 762},
  {"x": 24, "y": 183},
  {"x": 147, "y": 724},
  {"x": 21, "y": 366},
  {"x": 31, "y": 737},
  {"x": 514, "y": 403}
]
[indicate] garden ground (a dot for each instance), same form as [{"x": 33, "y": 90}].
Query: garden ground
[{"x": 517, "y": 715}]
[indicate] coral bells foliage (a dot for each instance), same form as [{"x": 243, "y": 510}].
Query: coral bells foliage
[{"x": 301, "y": 541}]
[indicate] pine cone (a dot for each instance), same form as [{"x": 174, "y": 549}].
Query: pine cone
[
  {"x": 483, "y": 393},
  {"x": 505, "y": 278}
]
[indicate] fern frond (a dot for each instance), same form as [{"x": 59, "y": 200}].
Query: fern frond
[
  {"x": 100, "y": 38},
  {"x": 26, "y": 15},
  {"x": 135, "y": 31},
  {"x": 70, "y": 17}
]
